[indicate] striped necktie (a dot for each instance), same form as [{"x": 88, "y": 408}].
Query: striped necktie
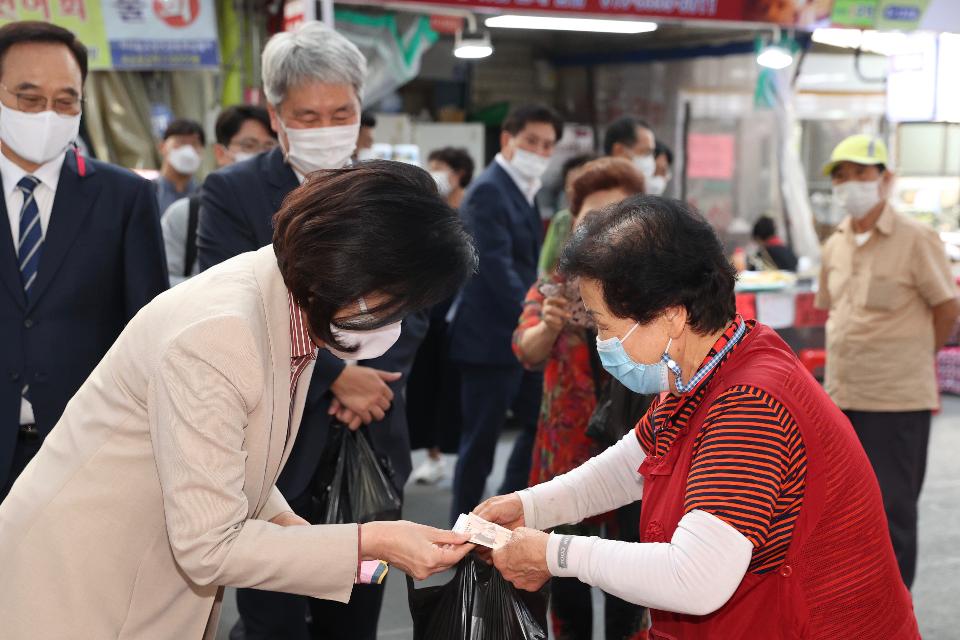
[{"x": 31, "y": 235}]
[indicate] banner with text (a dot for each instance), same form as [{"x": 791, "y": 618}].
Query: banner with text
[{"x": 132, "y": 34}]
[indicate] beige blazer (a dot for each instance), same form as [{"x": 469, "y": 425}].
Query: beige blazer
[{"x": 154, "y": 489}]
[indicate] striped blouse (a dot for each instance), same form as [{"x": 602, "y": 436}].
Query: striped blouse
[{"x": 749, "y": 463}]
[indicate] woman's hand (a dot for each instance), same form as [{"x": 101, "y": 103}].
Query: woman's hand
[
  {"x": 288, "y": 519},
  {"x": 555, "y": 314},
  {"x": 523, "y": 560},
  {"x": 416, "y": 549},
  {"x": 505, "y": 510}
]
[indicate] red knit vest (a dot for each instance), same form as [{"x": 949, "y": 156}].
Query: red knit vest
[{"x": 840, "y": 577}]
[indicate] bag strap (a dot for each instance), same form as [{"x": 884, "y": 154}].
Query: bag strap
[{"x": 193, "y": 220}]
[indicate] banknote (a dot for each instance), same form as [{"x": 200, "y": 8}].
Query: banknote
[{"x": 481, "y": 531}]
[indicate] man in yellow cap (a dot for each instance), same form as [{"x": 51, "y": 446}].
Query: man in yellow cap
[{"x": 886, "y": 281}]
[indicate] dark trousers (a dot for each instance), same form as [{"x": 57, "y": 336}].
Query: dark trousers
[
  {"x": 486, "y": 393},
  {"x": 896, "y": 443},
  {"x": 269, "y": 615},
  {"x": 22, "y": 455}
]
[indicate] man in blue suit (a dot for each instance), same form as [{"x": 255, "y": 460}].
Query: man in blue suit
[
  {"x": 500, "y": 213},
  {"x": 317, "y": 119},
  {"x": 80, "y": 243}
]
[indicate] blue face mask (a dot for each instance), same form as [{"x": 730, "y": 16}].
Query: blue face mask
[{"x": 639, "y": 378}]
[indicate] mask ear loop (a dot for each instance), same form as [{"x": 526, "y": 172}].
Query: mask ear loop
[{"x": 672, "y": 364}]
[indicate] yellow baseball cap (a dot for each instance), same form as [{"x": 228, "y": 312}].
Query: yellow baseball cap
[{"x": 860, "y": 149}]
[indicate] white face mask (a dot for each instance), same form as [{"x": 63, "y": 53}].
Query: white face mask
[
  {"x": 656, "y": 185},
  {"x": 37, "y": 137},
  {"x": 370, "y": 344},
  {"x": 318, "y": 148},
  {"x": 856, "y": 198},
  {"x": 528, "y": 164},
  {"x": 442, "y": 179},
  {"x": 646, "y": 165},
  {"x": 184, "y": 159}
]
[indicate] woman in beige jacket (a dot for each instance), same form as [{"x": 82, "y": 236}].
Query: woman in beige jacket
[{"x": 156, "y": 488}]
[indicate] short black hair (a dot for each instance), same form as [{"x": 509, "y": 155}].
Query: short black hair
[
  {"x": 367, "y": 119},
  {"x": 519, "y": 117},
  {"x": 624, "y": 131},
  {"x": 457, "y": 159},
  {"x": 36, "y": 31},
  {"x": 663, "y": 150},
  {"x": 764, "y": 228},
  {"x": 232, "y": 118},
  {"x": 377, "y": 227},
  {"x": 649, "y": 254},
  {"x": 574, "y": 162},
  {"x": 185, "y": 127}
]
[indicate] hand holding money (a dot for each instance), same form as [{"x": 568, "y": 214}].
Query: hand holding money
[
  {"x": 482, "y": 532},
  {"x": 506, "y": 510}
]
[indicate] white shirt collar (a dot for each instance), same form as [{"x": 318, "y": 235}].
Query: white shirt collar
[
  {"x": 48, "y": 174},
  {"x": 528, "y": 188}
]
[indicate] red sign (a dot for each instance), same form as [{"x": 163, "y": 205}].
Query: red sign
[
  {"x": 177, "y": 13},
  {"x": 448, "y": 25},
  {"x": 710, "y": 156},
  {"x": 796, "y": 12}
]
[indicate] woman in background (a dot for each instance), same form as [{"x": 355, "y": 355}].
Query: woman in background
[{"x": 556, "y": 334}]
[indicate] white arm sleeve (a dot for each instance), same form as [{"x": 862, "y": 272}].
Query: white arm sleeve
[
  {"x": 602, "y": 483},
  {"x": 695, "y": 573}
]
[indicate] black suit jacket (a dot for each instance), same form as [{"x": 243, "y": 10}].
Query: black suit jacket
[
  {"x": 507, "y": 232},
  {"x": 102, "y": 260},
  {"x": 236, "y": 215}
]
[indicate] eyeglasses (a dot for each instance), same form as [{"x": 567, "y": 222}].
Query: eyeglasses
[
  {"x": 36, "y": 103},
  {"x": 252, "y": 145}
]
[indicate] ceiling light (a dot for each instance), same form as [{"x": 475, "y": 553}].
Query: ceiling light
[
  {"x": 774, "y": 56},
  {"x": 844, "y": 38},
  {"x": 472, "y": 45},
  {"x": 570, "y": 24}
]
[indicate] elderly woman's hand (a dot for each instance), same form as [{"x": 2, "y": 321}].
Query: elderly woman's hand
[
  {"x": 506, "y": 510},
  {"x": 555, "y": 313},
  {"x": 523, "y": 560},
  {"x": 416, "y": 549}
]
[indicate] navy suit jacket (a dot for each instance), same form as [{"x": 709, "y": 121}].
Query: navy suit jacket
[
  {"x": 102, "y": 260},
  {"x": 236, "y": 215},
  {"x": 507, "y": 232}
]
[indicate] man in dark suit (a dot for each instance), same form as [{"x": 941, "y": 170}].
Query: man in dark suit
[
  {"x": 317, "y": 120},
  {"x": 80, "y": 243},
  {"x": 500, "y": 213}
]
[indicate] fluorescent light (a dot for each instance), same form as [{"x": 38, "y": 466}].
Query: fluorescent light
[
  {"x": 844, "y": 38},
  {"x": 774, "y": 57},
  {"x": 884, "y": 43},
  {"x": 473, "y": 51},
  {"x": 570, "y": 24},
  {"x": 472, "y": 45}
]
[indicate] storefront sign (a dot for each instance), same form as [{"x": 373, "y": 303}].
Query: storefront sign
[
  {"x": 888, "y": 15},
  {"x": 797, "y": 12},
  {"x": 132, "y": 34}
]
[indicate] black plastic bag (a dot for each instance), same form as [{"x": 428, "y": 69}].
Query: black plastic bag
[
  {"x": 477, "y": 604},
  {"x": 353, "y": 484}
]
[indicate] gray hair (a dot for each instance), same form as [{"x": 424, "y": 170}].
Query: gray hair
[{"x": 313, "y": 52}]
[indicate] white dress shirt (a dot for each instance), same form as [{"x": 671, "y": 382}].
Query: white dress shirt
[
  {"x": 49, "y": 175},
  {"x": 528, "y": 188}
]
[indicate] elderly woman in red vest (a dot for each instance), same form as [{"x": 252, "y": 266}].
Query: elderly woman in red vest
[{"x": 761, "y": 515}]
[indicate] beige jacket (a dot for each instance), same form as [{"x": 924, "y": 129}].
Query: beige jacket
[{"x": 155, "y": 487}]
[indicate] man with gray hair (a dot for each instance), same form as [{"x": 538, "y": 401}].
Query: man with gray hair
[{"x": 313, "y": 81}]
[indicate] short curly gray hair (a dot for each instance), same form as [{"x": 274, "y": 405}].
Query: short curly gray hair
[{"x": 313, "y": 52}]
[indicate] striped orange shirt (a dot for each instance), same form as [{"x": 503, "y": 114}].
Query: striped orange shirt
[
  {"x": 749, "y": 463},
  {"x": 302, "y": 349}
]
